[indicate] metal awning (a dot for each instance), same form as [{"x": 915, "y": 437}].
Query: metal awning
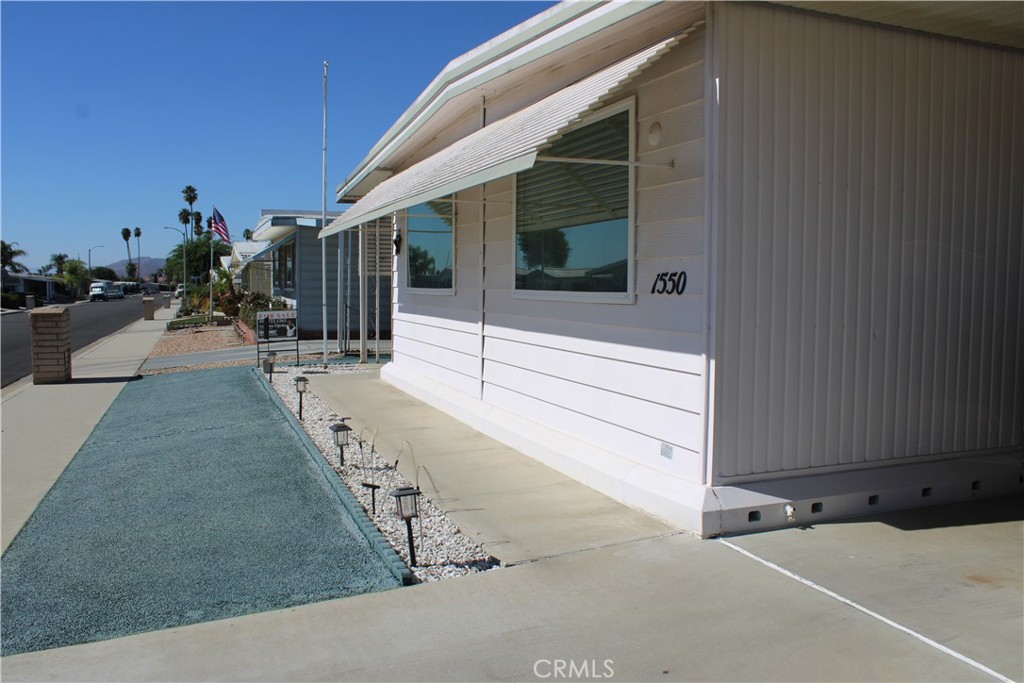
[
  {"x": 501, "y": 148},
  {"x": 273, "y": 247}
]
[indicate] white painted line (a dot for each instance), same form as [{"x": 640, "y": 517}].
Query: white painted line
[{"x": 832, "y": 594}]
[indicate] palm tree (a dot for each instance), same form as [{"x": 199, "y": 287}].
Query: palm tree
[
  {"x": 8, "y": 253},
  {"x": 138, "y": 252},
  {"x": 57, "y": 262},
  {"x": 185, "y": 218},
  {"x": 191, "y": 196},
  {"x": 197, "y": 223},
  {"x": 126, "y": 235},
  {"x": 247, "y": 234}
]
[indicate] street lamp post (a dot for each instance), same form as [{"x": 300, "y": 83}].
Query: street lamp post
[
  {"x": 183, "y": 261},
  {"x": 90, "y": 259}
]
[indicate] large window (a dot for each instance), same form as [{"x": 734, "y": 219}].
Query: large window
[
  {"x": 284, "y": 267},
  {"x": 430, "y": 234},
  {"x": 572, "y": 218}
]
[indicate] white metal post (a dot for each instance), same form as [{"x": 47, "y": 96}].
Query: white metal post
[
  {"x": 362, "y": 294},
  {"x": 323, "y": 224}
]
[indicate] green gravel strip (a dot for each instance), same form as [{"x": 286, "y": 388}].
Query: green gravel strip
[
  {"x": 374, "y": 537},
  {"x": 194, "y": 499}
]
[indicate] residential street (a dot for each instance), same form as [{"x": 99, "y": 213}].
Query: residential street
[{"x": 90, "y": 321}]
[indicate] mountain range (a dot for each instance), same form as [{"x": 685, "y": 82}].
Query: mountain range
[{"x": 147, "y": 264}]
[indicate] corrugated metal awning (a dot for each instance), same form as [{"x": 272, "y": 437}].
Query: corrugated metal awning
[
  {"x": 273, "y": 247},
  {"x": 500, "y": 149}
]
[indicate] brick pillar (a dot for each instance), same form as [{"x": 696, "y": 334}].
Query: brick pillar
[
  {"x": 51, "y": 344},
  {"x": 147, "y": 307}
]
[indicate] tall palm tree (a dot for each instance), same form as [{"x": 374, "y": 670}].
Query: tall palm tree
[
  {"x": 197, "y": 222},
  {"x": 191, "y": 196},
  {"x": 247, "y": 234},
  {"x": 126, "y": 235},
  {"x": 138, "y": 252}
]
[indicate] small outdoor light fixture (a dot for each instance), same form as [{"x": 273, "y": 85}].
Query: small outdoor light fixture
[
  {"x": 341, "y": 432},
  {"x": 271, "y": 357},
  {"x": 300, "y": 387},
  {"x": 407, "y": 502},
  {"x": 398, "y": 244}
]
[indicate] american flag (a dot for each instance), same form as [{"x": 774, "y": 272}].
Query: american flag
[{"x": 220, "y": 226}]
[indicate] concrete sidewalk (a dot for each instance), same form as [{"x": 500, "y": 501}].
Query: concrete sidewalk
[
  {"x": 42, "y": 427},
  {"x": 931, "y": 594},
  {"x": 515, "y": 507}
]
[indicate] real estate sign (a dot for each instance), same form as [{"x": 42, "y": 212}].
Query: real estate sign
[{"x": 276, "y": 326}]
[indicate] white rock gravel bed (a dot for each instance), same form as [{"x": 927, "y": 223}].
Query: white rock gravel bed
[{"x": 442, "y": 551}]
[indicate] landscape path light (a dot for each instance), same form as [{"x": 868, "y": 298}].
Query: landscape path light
[
  {"x": 300, "y": 387},
  {"x": 407, "y": 503},
  {"x": 341, "y": 432},
  {"x": 271, "y": 357}
]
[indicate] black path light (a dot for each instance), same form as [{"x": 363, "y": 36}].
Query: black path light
[
  {"x": 407, "y": 502},
  {"x": 271, "y": 357},
  {"x": 300, "y": 387},
  {"x": 341, "y": 432}
]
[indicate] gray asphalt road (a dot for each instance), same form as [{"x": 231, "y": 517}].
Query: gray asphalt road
[{"x": 89, "y": 321}]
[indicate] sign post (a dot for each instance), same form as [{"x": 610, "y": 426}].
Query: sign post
[{"x": 277, "y": 326}]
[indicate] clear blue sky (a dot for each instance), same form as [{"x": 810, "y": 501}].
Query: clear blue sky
[{"x": 110, "y": 109}]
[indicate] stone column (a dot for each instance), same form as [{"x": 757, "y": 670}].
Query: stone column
[
  {"x": 51, "y": 344},
  {"x": 147, "y": 307}
]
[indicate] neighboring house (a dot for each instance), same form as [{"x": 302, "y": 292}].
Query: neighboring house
[
  {"x": 252, "y": 266},
  {"x": 738, "y": 265},
  {"x": 293, "y": 253},
  {"x": 45, "y": 289}
]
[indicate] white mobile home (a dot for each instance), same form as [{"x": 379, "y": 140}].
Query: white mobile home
[{"x": 739, "y": 265}]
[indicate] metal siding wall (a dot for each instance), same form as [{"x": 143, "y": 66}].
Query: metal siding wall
[
  {"x": 871, "y": 206},
  {"x": 310, "y": 291}
]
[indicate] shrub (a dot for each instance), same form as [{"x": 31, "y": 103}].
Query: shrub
[
  {"x": 257, "y": 301},
  {"x": 11, "y": 300}
]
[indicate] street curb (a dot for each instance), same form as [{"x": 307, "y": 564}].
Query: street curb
[{"x": 369, "y": 530}]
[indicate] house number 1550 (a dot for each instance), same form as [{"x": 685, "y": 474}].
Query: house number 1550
[{"x": 669, "y": 283}]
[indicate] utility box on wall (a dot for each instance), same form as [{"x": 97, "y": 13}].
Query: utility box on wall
[{"x": 51, "y": 344}]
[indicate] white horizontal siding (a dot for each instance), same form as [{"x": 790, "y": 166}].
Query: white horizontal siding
[
  {"x": 669, "y": 350},
  {"x": 623, "y": 377},
  {"x": 870, "y": 217},
  {"x": 627, "y": 378},
  {"x": 460, "y": 341}
]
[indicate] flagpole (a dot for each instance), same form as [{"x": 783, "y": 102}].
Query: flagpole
[
  {"x": 323, "y": 224},
  {"x": 210, "y": 235}
]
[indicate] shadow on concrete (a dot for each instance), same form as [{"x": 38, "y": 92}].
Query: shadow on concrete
[
  {"x": 968, "y": 513},
  {"x": 104, "y": 380}
]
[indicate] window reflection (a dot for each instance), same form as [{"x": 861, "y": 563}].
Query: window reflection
[
  {"x": 572, "y": 219},
  {"x": 431, "y": 245}
]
